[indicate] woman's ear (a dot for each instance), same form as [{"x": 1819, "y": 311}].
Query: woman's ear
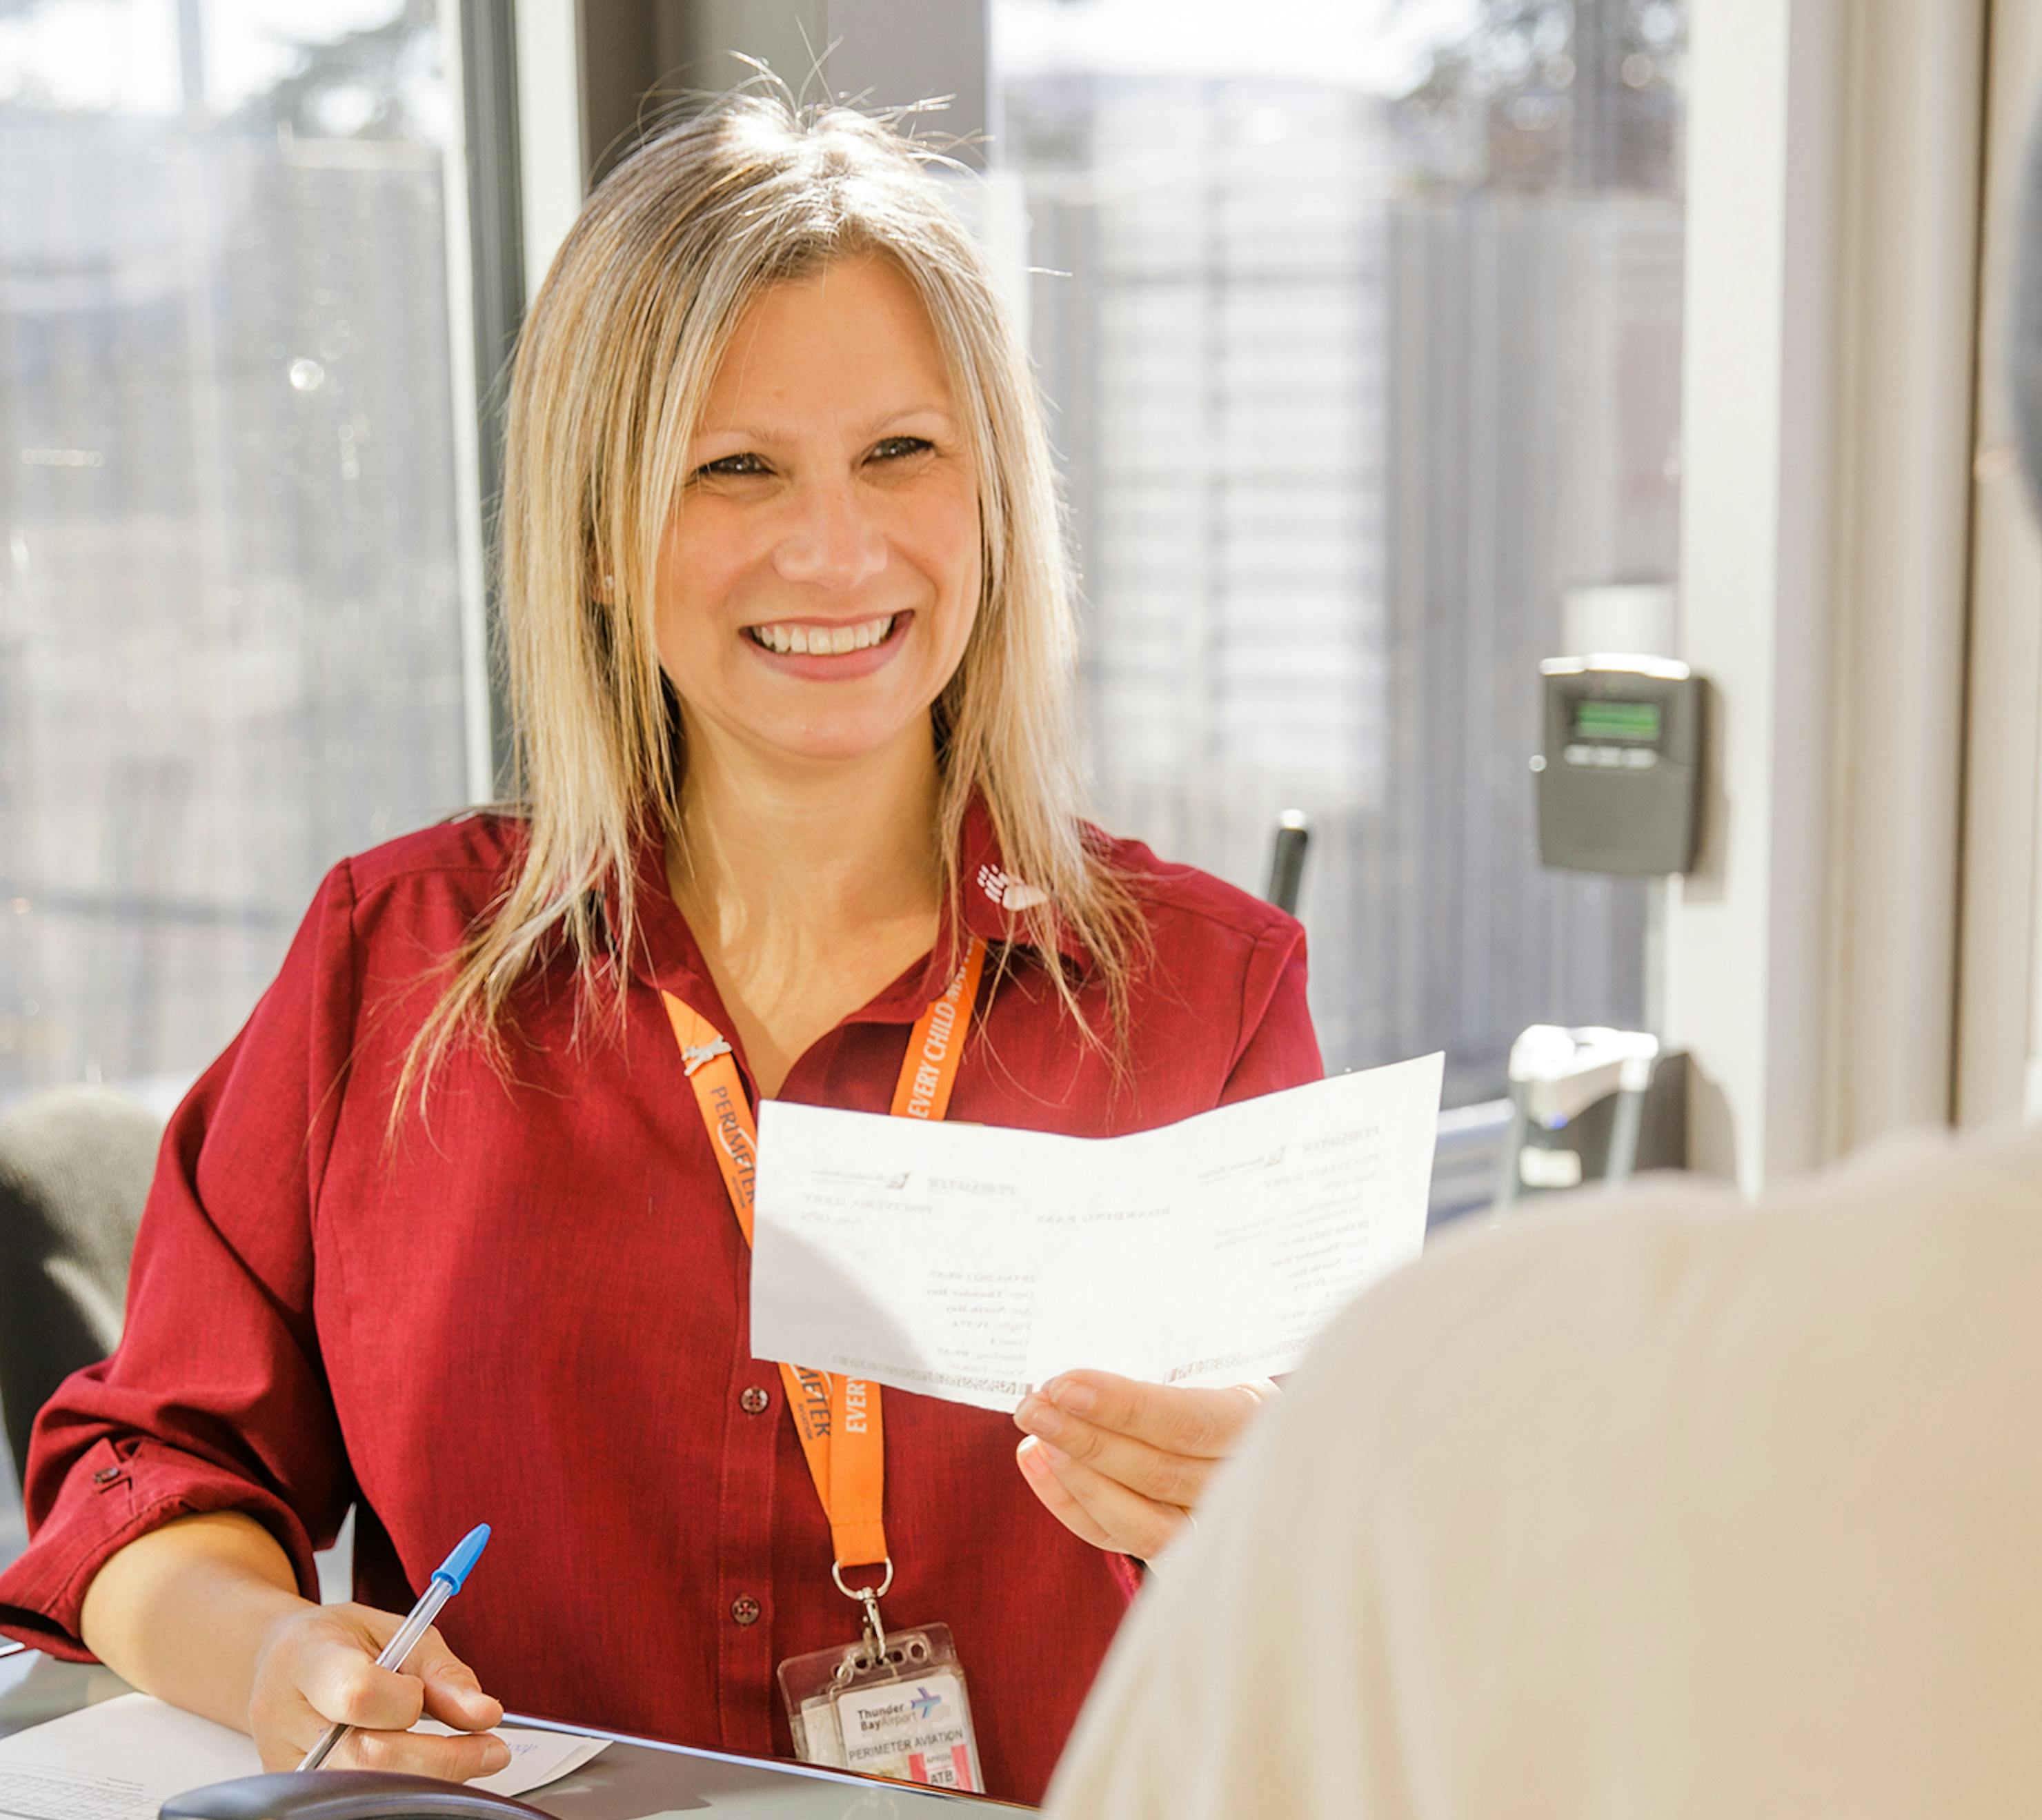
[{"x": 599, "y": 568}]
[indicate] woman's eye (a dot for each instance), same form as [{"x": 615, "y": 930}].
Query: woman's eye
[
  {"x": 732, "y": 465},
  {"x": 894, "y": 447}
]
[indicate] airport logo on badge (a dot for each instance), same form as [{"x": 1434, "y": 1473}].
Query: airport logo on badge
[{"x": 925, "y": 1703}]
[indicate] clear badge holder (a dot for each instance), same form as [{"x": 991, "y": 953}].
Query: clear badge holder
[{"x": 894, "y": 1703}]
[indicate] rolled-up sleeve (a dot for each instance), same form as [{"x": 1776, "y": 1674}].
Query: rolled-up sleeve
[{"x": 216, "y": 1399}]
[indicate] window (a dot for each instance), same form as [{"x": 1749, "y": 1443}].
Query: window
[
  {"x": 236, "y": 626},
  {"x": 1362, "y": 335}
]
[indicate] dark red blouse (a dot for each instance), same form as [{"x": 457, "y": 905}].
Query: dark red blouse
[{"x": 533, "y": 1314}]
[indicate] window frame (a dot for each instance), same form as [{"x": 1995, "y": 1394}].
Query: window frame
[
  {"x": 1999, "y": 1016},
  {"x": 1834, "y": 345}
]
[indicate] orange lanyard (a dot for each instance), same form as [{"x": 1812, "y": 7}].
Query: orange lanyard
[{"x": 837, "y": 1418}]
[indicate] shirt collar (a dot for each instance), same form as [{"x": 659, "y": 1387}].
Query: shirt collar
[{"x": 992, "y": 898}]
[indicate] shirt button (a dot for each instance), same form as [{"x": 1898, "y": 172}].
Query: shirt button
[
  {"x": 106, "y": 1475},
  {"x": 744, "y": 1610},
  {"x": 755, "y": 1401}
]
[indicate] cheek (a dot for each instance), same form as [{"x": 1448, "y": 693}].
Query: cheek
[
  {"x": 675, "y": 614},
  {"x": 953, "y": 537},
  {"x": 973, "y": 586},
  {"x": 970, "y": 590},
  {"x": 698, "y": 566}
]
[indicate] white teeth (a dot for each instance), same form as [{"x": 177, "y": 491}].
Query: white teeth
[{"x": 817, "y": 638}]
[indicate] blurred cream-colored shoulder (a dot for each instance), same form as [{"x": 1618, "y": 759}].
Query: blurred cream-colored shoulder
[{"x": 1654, "y": 1503}]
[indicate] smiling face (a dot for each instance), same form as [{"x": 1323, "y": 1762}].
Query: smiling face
[{"x": 817, "y": 585}]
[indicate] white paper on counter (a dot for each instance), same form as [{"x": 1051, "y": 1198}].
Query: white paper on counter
[
  {"x": 123, "y": 1758},
  {"x": 973, "y": 1262}
]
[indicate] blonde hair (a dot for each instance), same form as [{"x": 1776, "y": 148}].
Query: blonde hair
[{"x": 612, "y": 370}]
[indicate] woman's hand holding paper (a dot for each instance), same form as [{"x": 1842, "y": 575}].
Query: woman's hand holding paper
[{"x": 1122, "y": 1464}]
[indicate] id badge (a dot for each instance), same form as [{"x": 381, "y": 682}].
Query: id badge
[{"x": 899, "y": 1709}]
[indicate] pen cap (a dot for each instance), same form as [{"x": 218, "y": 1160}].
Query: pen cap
[{"x": 454, "y": 1570}]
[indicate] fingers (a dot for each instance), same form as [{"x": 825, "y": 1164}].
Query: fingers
[
  {"x": 1097, "y": 1509},
  {"x": 1171, "y": 1418},
  {"x": 457, "y": 1759},
  {"x": 1178, "y": 1478},
  {"x": 322, "y": 1671},
  {"x": 453, "y": 1696},
  {"x": 1119, "y": 1462},
  {"x": 339, "y": 1678}
]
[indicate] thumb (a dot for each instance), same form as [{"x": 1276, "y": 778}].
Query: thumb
[{"x": 453, "y": 1696}]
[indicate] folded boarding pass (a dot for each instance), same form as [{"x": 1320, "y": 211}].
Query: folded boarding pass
[{"x": 973, "y": 1262}]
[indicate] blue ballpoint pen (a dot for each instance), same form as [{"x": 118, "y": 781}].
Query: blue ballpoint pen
[{"x": 447, "y": 1579}]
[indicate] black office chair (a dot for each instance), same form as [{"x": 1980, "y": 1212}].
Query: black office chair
[{"x": 74, "y": 1168}]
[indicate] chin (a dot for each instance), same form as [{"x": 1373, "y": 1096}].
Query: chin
[{"x": 839, "y": 742}]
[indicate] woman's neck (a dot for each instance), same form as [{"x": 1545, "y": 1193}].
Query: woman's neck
[
  {"x": 808, "y": 889},
  {"x": 770, "y": 854}
]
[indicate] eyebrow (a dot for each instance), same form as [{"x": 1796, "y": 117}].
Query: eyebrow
[{"x": 762, "y": 433}]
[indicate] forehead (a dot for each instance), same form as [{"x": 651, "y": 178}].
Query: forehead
[{"x": 848, "y": 339}]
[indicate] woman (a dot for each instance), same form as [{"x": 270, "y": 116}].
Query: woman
[{"x": 443, "y": 1233}]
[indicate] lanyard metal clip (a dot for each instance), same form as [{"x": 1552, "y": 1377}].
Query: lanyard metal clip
[
  {"x": 869, "y": 1597},
  {"x": 872, "y": 1627}
]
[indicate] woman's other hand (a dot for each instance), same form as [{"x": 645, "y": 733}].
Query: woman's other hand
[
  {"x": 318, "y": 1666},
  {"x": 1122, "y": 1464}
]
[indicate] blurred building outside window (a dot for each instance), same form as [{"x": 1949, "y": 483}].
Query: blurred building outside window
[
  {"x": 235, "y": 630},
  {"x": 239, "y": 611},
  {"x": 1361, "y": 328}
]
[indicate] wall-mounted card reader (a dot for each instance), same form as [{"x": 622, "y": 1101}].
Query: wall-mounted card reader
[{"x": 1620, "y": 779}]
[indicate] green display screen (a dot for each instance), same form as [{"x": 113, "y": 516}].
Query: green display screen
[{"x": 1597, "y": 718}]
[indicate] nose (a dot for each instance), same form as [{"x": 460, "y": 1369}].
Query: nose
[{"x": 833, "y": 543}]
